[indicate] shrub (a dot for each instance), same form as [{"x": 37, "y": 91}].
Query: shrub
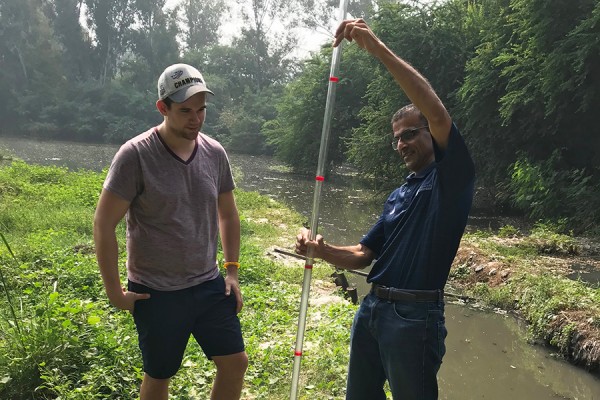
[{"x": 549, "y": 190}]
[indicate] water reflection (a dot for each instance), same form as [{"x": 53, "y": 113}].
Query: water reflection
[
  {"x": 586, "y": 273},
  {"x": 487, "y": 356},
  {"x": 72, "y": 155},
  {"x": 346, "y": 210}
]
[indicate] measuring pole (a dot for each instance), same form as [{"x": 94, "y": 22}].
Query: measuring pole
[{"x": 314, "y": 222}]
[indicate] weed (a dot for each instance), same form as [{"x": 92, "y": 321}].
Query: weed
[
  {"x": 508, "y": 231},
  {"x": 500, "y": 297},
  {"x": 64, "y": 340},
  {"x": 547, "y": 239}
]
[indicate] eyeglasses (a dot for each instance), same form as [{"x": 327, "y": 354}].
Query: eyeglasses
[{"x": 406, "y": 136}]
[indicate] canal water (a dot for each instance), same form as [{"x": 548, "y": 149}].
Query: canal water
[{"x": 487, "y": 355}]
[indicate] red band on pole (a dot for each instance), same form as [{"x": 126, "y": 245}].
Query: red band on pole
[
  {"x": 320, "y": 178},
  {"x": 298, "y": 353},
  {"x": 334, "y": 79},
  {"x": 308, "y": 266}
]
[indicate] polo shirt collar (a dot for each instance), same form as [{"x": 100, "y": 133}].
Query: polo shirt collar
[{"x": 421, "y": 174}]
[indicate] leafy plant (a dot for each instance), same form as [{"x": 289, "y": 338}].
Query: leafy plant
[
  {"x": 6, "y": 289},
  {"x": 546, "y": 239},
  {"x": 71, "y": 344},
  {"x": 508, "y": 231},
  {"x": 546, "y": 190}
]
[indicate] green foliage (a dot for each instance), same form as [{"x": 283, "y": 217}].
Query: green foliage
[
  {"x": 50, "y": 331},
  {"x": 64, "y": 340},
  {"x": 366, "y": 95},
  {"x": 546, "y": 296},
  {"x": 437, "y": 43},
  {"x": 545, "y": 190},
  {"x": 546, "y": 238},
  {"x": 35, "y": 197},
  {"x": 514, "y": 76},
  {"x": 296, "y": 131},
  {"x": 502, "y": 250},
  {"x": 508, "y": 231},
  {"x": 539, "y": 298},
  {"x": 482, "y": 87},
  {"x": 532, "y": 186},
  {"x": 527, "y": 85},
  {"x": 500, "y": 297},
  {"x": 96, "y": 81},
  {"x": 460, "y": 271},
  {"x": 562, "y": 339},
  {"x": 241, "y": 124},
  {"x": 32, "y": 73}
]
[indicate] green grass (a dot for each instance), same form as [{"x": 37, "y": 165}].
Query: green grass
[
  {"x": 60, "y": 338},
  {"x": 558, "y": 310},
  {"x": 64, "y": 340}
]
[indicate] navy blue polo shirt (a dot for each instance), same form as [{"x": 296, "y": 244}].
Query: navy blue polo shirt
[{"x": 416, "y": 237}]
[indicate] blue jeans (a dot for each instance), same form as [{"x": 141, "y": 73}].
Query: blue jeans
[{"x": 402, "y": 342}]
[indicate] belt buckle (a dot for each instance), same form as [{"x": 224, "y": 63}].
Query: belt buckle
[
  {"x": 385, "y": 289},
  {"x": 389, "y": 293},
  {"x": 394, "y": 294},
  {"x": 403, "y": 295}
]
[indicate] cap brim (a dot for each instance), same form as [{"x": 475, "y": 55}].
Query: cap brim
[{"x": 182, "y": 95}]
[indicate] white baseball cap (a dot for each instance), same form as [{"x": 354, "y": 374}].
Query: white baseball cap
[{"x": 180, "y": 82}]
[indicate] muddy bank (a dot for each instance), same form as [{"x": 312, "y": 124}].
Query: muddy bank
[{"x": 553, "y": 285}]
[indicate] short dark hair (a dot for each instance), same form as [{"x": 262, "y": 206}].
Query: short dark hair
[
  {"x": 406, "y": 110},
  {"x": 168, "y": 101}
]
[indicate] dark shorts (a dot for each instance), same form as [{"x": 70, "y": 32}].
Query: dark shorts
[{"x": 166, "y": 320}]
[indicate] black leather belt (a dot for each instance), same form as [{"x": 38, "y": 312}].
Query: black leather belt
[{"x": 408, "y": 295}]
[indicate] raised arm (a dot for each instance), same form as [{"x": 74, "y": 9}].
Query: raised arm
[{"x": 416, "y": 87}]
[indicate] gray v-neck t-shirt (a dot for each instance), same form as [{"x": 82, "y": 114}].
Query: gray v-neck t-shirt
[{"x": 172, "y": 221}]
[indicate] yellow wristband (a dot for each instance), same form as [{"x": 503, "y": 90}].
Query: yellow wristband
[{"x": 228, "y": 263}]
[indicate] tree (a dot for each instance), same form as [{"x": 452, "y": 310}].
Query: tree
[
  {"x": 269, "y": 55},
  {"x": 437, "y": 41},
  {"x": 251, "y": 71},
  {"x": 524, "y": 87},
  {"x": 571, "y": 90},
  {"x": 323, "y": 16},
  {"x": 483, "y": 86},
  {"x": 109, "y": 22},
  {"x": 367, "y": 95},
  {"x": 202, "y": 21},
  {"x": 295, "y": 133},
  {"x": 152, "y": 44},
  {"x": 31, "y": 72},
  {"x": 76, "y": 44}
]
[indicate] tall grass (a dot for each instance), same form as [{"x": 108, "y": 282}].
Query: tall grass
[
  {"x": 60, "y": 338},
  {"x": 9, "y": 300}
]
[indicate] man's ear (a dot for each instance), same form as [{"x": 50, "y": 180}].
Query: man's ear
[{"x": 161, "y": 107}]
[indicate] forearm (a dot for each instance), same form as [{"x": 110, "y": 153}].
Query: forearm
[
  {"x": 107, "y": 255},
  {"x": 230, "y": 240},
  {"x": 415, "y": 85},
  {"x": 110, "y": 210},
  {"x": 345, "y": 257}
]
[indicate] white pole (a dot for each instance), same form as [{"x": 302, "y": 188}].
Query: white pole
[{"x": 329, "y": 104}]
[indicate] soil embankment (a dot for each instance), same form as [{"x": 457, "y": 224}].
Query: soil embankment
[{"x": 551, "y": 281}]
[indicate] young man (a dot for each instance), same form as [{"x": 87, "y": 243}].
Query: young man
[
  {"x": 399, "y": 330},
  {"x": 176, "y": 188}
]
